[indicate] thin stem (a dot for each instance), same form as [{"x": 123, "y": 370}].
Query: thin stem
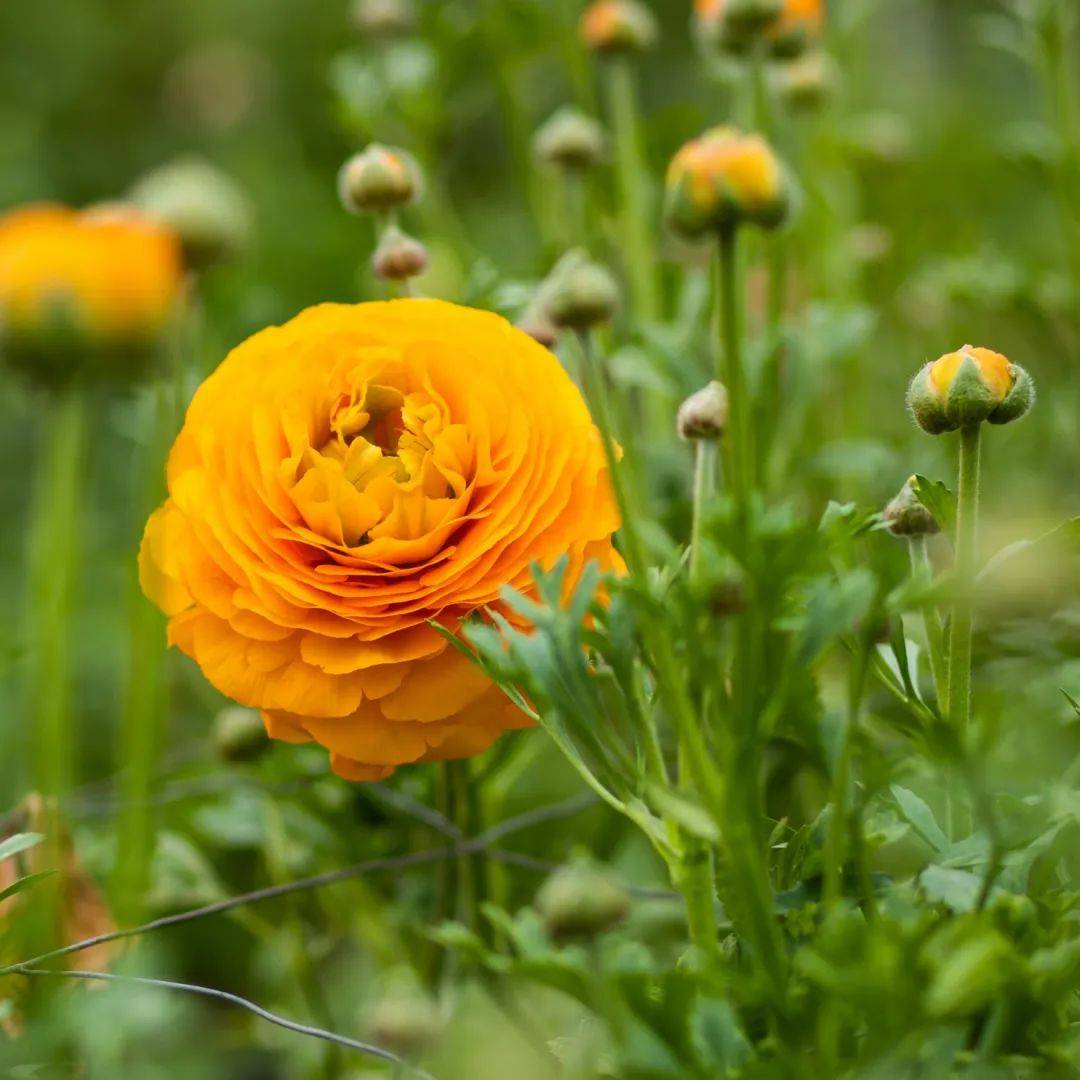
[
  {"x": 52, "y": 553},
  {"x": 634, "y": 196},
  {"x": 935, "y": 638},
  {"x": 730, "y": 368},
  {"x": 966, "y": 538},
  {"x": 705, "y": 451}
]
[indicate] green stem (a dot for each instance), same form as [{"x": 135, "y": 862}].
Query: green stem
[
  {"x": 705, "y": 451},
  {"x": 53, "y": 538},
  {"x": 935, "y": 639},
  {"x": 959, "y": 712},
  {"x": 145, "y": 706},
  {"x": 731, "y": 370},
  {"x": 634, "y": 195}
]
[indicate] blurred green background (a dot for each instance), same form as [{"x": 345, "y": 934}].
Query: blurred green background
[{"x": 940, "y": 198}]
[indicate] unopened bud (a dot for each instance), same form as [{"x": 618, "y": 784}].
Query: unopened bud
[
  {"x": 798, "y": 27},
  {"x": 734, "y": 25},
  {"x": 398, "y": 256},
  {"x": 538, "y": 325},
  {"x": 384, "y": 18},
  {"x": 204, "y": 207},
  {"x": 579, "y": 293},
  {"x": 905, "y": 514},
  {"x": 579, "y": 900},
  {"x": 613, "y": 27},
  {"x": 968, "y": 386},
  {"x": 239, "y": 734},
  {"x": 806, "y": 83},
  {"x": 405, "y": 1019},
  {"x": 378, "y": 178},
  {"x": 724, "y": 178},
  {"x": 704, "y": 414},
  {"x": 570, "y": 139}
]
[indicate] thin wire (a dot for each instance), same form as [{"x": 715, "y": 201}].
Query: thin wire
[{"x": 234, "y": 999}]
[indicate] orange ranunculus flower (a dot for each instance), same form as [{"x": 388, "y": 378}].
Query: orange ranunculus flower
[
  {"x": 72, "y": 282},
  {"x": 345, "y": 478}
]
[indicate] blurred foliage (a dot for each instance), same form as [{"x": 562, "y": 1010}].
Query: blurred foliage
[{"x": 939, "y": 205}]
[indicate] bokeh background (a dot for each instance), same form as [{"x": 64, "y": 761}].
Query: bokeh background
[{"x": 940, "y": 200}]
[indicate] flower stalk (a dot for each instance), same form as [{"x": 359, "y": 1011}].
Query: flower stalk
[{"x": 959, "y": 674}]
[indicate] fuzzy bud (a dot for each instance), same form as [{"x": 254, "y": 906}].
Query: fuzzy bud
[
  {"x": 704, "y": 414},
  {"x": 905, "y": 514},
  {"x": 538, "y": 325},
  {"x": 722, "y": 179},
  {"x": 966, "y": 387},
  {"x": 579, "y": 293},
  {"x": 239, "y": 734},
  {"x": 570, "y": 139},
  {"x": 618, "y": 27},
  {"x": 378, "y": 178},
  {"x": 580, "y": 901},
  {"x": 204, "y": 207},
  {"x": 384, "y": 18},
  {"x": 398, "y": 256}
]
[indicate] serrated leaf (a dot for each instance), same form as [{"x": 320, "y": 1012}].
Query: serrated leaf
[
  {"x": 939, "y": 500},
  {"x": 13, "y": 845},
  {"x": 921, "y": 818}
]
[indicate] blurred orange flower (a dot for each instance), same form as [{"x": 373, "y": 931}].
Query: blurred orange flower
[
  {"x": 345, "y": 478},
  {"x": 799, "y": 25},
  {"x": 107, "y": 274}
]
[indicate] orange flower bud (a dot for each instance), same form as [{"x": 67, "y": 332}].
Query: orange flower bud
[
  {"x": 92, "y": 288},
  {"x": 723, "y": 178},
  {"x": 967, "y": 387},
  {"x": 618, "y": 26}
]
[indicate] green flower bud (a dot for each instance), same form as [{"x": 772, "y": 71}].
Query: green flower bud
[
  {"x": 805, "y": 84},
  {"x": 704, "y": 414},
  {"x": 378, "y": 178},
  {"x": 405, "y": 1019},
  {"x": 579, "y": 293},
  {"x": 966, "y": 387},
  {"x": 398, "y": 256},
  {"x": 722, "y": 179},
  {"x": 905, "y": 515},
  {"x": 570, "y": 139},
  {"x": 239, "y": 734},
  {"x": 579, "y": 900},
  {"x": 204, "y": 207}
]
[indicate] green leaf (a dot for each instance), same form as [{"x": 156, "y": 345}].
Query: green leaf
[
  {"x": 921, "y": 818},
  {"x": 1071, "y": 700},
  {"x": 1066, "y": 535},
  {"x": 19, "y": 842},
  {"x": 958, "y": 890},
  {"x": 832, "y": 607},
  {"x": 24, "y": 883},
  {"x": 939, "y": 500}
]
